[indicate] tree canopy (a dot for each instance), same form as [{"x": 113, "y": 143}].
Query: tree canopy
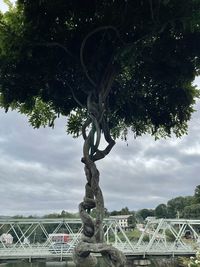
[
  {"x": 109, "y": 66},
  {"x": 137, "y": 57},
  {"x": 161, "y": 211}
]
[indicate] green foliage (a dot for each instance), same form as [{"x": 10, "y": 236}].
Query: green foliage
[
  {"x": 192, "y": 211},
  {"x": 41, "y": 115},
  {"x": 197, "y": 194},
  {"x": 53, "y": 53},
  {"x": 93, "y": 213},
  {"x": 175, "y": 206},
  {"x": 133, "y": 235},
  {"x": 132, "y": 221},
  {"x": 161, "y": 211},
  {"x": 144, "y": 213},
  {"x": 63, "y": 214},
  {"x": 75, "y": 122},
  {"x": 184, "y": 207},
  {"x": 123, "y": 211},
  {"x": 192, "y": 261},
  {"x": 170, "y": 237}
]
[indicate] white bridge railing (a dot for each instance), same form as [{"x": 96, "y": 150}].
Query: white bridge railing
[{"x": 159, "y": 237}]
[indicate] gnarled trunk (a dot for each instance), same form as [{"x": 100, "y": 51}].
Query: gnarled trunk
[{"x": 93, "y": 234}]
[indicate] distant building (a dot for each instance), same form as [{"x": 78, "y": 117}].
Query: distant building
[
  {"x": 122, "y": 220},
  {"x": 6, "y": 239}
]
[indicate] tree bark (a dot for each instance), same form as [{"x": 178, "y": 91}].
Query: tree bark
[{"x": 92, "y": 240}]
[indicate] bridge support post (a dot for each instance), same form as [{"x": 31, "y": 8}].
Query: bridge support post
[{"x": 139, "y": 262}]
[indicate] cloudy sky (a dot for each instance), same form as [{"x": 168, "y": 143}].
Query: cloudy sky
[{"x": 41, "y": 172}]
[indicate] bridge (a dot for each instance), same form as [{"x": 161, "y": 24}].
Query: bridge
[{"x": 31, "y": 238}]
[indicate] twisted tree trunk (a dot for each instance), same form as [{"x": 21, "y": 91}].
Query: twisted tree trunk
[{"x": 93, "y": 235}]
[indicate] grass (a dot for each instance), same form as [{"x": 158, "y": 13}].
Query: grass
[{"x": 133, "y": 235}]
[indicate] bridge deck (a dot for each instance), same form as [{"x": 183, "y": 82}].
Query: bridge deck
[{"x": 44, "y": 253}]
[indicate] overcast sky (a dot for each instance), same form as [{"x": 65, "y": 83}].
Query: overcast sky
[{"x": 41, "y": 172}]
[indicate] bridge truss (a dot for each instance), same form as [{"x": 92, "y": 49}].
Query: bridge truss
[
  {"x": 159, "y": 237},
  {"x": 31, "y": 237},
  {"x": 170, "y": 236}
]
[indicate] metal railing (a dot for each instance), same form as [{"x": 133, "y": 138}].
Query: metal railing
[{"x": 31, "y": 237}]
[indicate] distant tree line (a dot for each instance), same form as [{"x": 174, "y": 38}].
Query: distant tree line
[
  {"x": 187, "y": 207},
  {"x": 180, "y": 207}
]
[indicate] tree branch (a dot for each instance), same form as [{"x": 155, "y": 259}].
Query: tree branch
[
  {"x": 102, "y": 153},
  {"x": 102, "y": 28},
  {"x": 98, "y": 133},
  {"x": 151, "y": 9},
  {"x": 55, "y": 44},
  {"x": 75, "y": 98},
  {"x": 85, "y": 125}
]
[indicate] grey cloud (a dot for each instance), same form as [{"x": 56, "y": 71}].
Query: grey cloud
[
  {"x": 149, "y": 173},
  {"x": 41, "y": 172}
]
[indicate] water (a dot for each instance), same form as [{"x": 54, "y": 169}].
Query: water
[
  {"x": 38, "y": 264},
  {"x": 60, "y": 264}
]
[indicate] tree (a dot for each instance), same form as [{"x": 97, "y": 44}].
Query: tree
[
  {"x": 114, "y": 213},
  {"x": 123, "y": 211},
  {"x": 132, "y": 221},
  {"x": 93, "y": 213},
  {"x": 197, "y": 194},
  {"x": 161, "y": 211},
  {"x": 144, "y": 213},
  {"x": 192, "y": 211},
  {"x": 189, "y": 200},
  {"x": 109, "y": 66},
  {"x": 175, "y": 206}
]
